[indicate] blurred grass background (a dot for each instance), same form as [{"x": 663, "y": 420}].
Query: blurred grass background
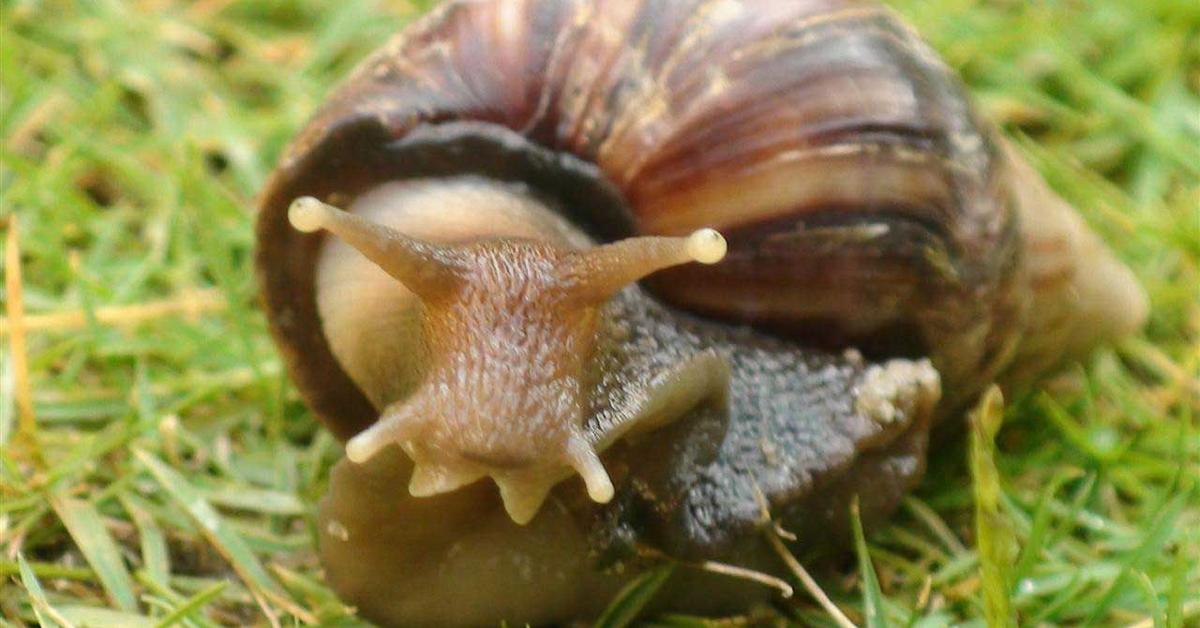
[{"x": 176, "y": 468}]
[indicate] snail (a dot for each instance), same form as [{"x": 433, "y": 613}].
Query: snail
[{"x": 575, "y": 278}]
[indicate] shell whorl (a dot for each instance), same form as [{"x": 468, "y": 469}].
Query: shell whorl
[{"x": 861, "y": 199}]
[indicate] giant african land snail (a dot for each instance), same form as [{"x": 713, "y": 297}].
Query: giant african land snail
[{"x": 487, "y": 155}]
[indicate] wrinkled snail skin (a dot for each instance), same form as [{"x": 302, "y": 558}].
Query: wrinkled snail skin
[
  {"x": 506, "y": 338},
  {"x": 519, "y": 413},
  {"x": 803, "y": 429}
]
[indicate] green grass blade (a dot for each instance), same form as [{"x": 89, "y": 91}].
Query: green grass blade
[
  {"x": 226, "y": 541},
  {"x": 37, "y": 597},
  {"x": 165, "y": 599},
  {"x": 95, "y": 617},
  {"x": 312, "y": 588},
  {"x": 1150, "y": 594},
  {"x": 994, "y": 533},
  {"x": 86, "y": 527},
  {"x": 1156, "y": 536},
  {"x": 155, "y": 557},
  {"x": 996, "y": 545},
  {"x": 1175, "y": 595},
  {"x": 256, "y": 500},
  {"x": 48, "y": 570},
  {"x": 871, "y": 593},
  {"x": 1040, "y": 528},
  {"x": 626, "y": 606},
  {"x": 192, "y": 604},
  {"x": 926, "y": 515}
]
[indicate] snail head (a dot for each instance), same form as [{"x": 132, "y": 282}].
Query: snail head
[{"x": 508, "y": 327}]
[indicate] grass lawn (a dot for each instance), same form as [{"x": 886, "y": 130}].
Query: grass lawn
[{"x": 175, "y": 468}]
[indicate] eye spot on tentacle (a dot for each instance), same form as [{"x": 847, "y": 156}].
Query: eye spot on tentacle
[
  {"x": 706, "y": 246},
  {"x": 307, "y": 214}
]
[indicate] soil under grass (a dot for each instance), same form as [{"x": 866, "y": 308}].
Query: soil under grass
[{"x": 137, "y": 133}]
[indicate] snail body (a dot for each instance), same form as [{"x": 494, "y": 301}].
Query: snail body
[{"x": 511, "y": 169}]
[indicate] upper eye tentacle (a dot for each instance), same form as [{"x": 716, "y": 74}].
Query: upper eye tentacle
[
  {"x": 602, "y": 271},
  {"x": 423, "y": 267}
]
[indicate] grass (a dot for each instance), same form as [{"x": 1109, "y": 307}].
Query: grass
[{"x": 174, "y": 468}]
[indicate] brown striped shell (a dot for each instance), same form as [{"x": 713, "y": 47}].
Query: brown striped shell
[{"x": 863, "y": 202}]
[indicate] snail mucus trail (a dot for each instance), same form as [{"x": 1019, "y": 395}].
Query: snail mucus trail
[{"x": 513, "y": 322}]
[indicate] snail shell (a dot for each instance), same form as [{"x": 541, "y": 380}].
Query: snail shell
[{"x": 863, "y": 202}]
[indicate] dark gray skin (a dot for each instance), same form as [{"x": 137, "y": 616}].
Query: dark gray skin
[
  {"x": 798, "y": 430},
  {"x": 789, "y": 423}
]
